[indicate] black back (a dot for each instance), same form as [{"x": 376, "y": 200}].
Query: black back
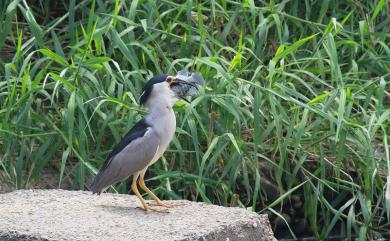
[
  {"x": 137, "y": 131},
  {"x": 149, "y": 86}
]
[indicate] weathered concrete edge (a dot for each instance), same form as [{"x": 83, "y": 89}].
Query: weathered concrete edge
[
  {"x": 238, "y": 231},
  {"x": 260, "y": 230},
  {"x": 257, "y": 229},
  {"x": 16, "y": 236}
]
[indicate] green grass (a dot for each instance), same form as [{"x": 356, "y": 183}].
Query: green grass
[{"x": 294, "y": 116}]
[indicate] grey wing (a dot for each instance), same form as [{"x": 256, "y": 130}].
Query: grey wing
[{"x": 131, "y": 159}]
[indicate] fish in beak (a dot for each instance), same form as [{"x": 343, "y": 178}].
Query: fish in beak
[{"x": 184, "y": 85}]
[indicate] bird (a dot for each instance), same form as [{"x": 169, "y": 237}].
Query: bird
[{"x": 149, "y": 138}]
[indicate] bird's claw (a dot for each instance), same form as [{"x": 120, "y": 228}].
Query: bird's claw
[
  {"x": 166, "y": 204},
  {"x": 158, "y": 210}
]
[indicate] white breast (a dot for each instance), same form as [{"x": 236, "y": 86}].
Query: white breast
[
  {"x": 164, "y": 124},
  {"x": 161, "y": 116}
]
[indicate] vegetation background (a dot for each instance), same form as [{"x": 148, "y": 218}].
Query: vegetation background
[{"x": 293, "y": 122}]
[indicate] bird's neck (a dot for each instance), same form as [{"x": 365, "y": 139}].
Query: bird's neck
[
  {"x": 163, "y": 121},
  {"x": 160, "y": 114}
]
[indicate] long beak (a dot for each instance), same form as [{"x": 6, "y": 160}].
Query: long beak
[{"x": 181, "y": 97}]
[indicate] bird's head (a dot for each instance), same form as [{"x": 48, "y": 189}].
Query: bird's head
[{"x": 166, "y": 90}]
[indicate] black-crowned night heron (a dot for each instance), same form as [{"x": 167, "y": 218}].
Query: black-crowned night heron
[{"x": 148, "y": 139}]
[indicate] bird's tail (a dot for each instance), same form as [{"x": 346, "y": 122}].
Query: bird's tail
[{"x": 95, "y": 187}]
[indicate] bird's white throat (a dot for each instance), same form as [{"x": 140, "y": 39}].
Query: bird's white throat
[
  {"x": 161, "y": 98},
  {"x": 161, "y": 115}
]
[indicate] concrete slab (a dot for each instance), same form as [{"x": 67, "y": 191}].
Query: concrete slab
[{"x": 80, "y": 216}]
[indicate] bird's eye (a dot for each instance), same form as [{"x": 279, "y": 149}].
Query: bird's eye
[{"x": 170, "y": 79}]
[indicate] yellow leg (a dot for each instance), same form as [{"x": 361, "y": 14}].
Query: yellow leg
[
  {"x": 136, "y": 192},
  {"x": 142, "y": 200},
  {"x": 155, "y": 198}
]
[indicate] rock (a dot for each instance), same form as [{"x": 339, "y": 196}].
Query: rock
[{"x": 76, "y": 215}]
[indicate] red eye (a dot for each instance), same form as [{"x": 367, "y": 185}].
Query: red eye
[{"x": 170, "y": 79}]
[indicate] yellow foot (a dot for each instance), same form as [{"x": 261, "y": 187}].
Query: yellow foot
[
  {"x": 166, "y": 204},
  {"x": 158, "y": 210}
]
